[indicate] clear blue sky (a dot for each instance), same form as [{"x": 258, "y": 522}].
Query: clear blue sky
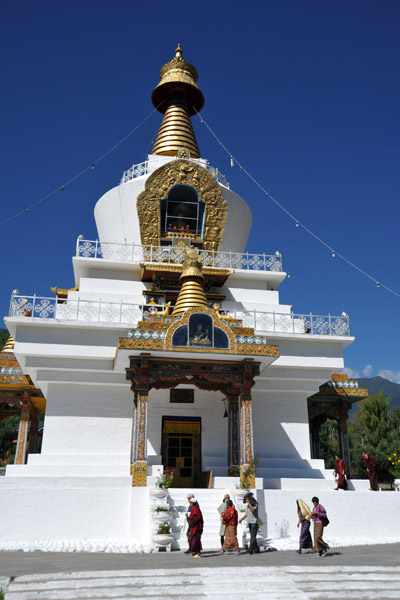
[{"x": 305, "y": 94}]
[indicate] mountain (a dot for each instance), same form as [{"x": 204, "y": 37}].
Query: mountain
[{"x": 379, "y": 384}]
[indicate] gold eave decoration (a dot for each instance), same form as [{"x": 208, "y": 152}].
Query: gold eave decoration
[
  {"x": 158, "y": 186},
  {"x": 63, "y": 292},
  {"x": 168, "y": 268},
  {"x": 345, "y": 391},
  {"x": 251, "y": 344}
]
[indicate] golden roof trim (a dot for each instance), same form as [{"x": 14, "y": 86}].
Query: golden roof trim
[{"x": 168, "y": 268}]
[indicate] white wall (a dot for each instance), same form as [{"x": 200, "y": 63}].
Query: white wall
[
  {"x": 115, "y": 213},
  {"x": 280, "y": 425},
  {"x": 238, "y": 224},
  {"x": 64, "y": 508},
  {"x": 88, "y": 419},
  {"x": 365, "y": 515}
]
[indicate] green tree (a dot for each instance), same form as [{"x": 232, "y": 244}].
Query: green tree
[
  {"x": 377, "y": 431},
  {"x": 8, "y": 433},
  {"x": 4, "y": 335},
  {"x": 329, "y": 442}
]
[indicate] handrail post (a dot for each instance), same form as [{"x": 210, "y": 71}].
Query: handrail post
[
  {"x": 96, "y": 249},
  {"x": 265, "y": 264},
  {"x": 12, "y": 302},
  {"x": 120, "y": 312},
  {"x": 33, "y": 305},
  {"x": 77, "y": 246},
  {"x": 98, "y": 313},
  {"x": 77, "y": 308},
  {"x": 330, "y": 323},
  {"x": 247, "y": 260},
  {"x": 311, "y": 324},
  {"x": 348, "y": 324},
  {"x": 273, "y": 320}
]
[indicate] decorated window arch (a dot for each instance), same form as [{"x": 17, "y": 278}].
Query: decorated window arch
[
  {"x": 200, "y": 332},
  {"x": 182, "y": 211}
]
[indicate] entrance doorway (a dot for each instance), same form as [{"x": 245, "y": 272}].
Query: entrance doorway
[{"x": 181, "y": 450}]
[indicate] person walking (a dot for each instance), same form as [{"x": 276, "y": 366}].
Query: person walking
[
  {"x": 230, "y": 520},
  {"x": 304, "y": 514},
  {"x": 318, "y": 516},
  {"x": 252, "y": 518},
  {"x": 340, "y": 471},
  {"x": 221, "y": 509},
  {"x": 371, "y": 465},
  {"x": 196, "y": 528},
  {"x": 187, "y": 513}
]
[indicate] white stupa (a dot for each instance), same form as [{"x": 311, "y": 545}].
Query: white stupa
[{"x": 171, "y": 326}]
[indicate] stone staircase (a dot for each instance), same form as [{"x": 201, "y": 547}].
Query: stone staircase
[
  {"x": 209, "y": 500},
  {"x": 279, "y": 583}
]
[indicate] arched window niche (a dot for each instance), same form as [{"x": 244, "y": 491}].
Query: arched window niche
[
  {"x": 182, "y": 213},
  {"x": 200, "y": 332}
]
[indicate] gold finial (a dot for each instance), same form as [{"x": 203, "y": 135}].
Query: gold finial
[
  {"x": 9, "y": 345},
  {"x": 191, "y": 294},
  {"x": 192, "y": 265},
  {"x": 177, "y": 97},
  {"x": 178, "y": 52}
]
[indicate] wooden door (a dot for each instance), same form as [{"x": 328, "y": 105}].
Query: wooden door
[
  {"x": 181, "y": 450},
  {"x": 180, "y": 456}
]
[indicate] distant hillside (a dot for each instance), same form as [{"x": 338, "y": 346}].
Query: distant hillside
[{"x": 379, "y": 384}]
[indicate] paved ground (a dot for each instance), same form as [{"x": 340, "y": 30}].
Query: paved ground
[{"x": 13, "y": 564}]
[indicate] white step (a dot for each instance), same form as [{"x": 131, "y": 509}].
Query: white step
[
  {"x": 79, "y": 459},
  {"x": 311, "y": 485},
  {"x": 67, "y": 471},
  {"x": 279, "y": 583},
  {"x": 209, "y": 500}
]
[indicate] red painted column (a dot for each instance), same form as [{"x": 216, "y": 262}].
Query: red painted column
[
  {"x": 139, "y": 441},
  {"x": 233, "y": 436},
  {"x": 22, "y": 443},
  {"x": 246, "y": 437}
]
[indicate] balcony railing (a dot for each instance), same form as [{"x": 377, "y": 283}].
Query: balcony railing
[
  {"x": 137, "y": 253},
  {"x": 123, "y": 313},
  {"x": 148, "y": 166}
]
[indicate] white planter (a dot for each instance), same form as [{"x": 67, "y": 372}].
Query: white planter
[
  {"x": 159, "y": 493},
  {"x": 397, "y": 485},
  {"x": 162, "y": 540},
  {"x": 161, "y": 516}
]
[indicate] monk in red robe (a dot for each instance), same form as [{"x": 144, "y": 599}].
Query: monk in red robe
[
  {"x": 196, "y": 528},
  {"x": 371, "y": 464},
  {"x": 340, "y": 471}
]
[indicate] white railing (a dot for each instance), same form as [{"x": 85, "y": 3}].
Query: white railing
[
  {"x": 138, "y": 253},
  {"x": 148, "y": 166},
  {"x": 98, "y": 311}
]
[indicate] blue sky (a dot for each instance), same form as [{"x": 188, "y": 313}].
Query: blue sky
[{"x": 305, "y": 94}]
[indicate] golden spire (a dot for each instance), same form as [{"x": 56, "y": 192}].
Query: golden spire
[
  {"x": 177, "y": 97},
  {"x": 191, "y": 294},
  {"x": 9, "y": 345}
]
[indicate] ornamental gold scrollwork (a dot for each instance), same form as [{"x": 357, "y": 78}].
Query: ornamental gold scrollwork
[{"x": 157, "y": 187}]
